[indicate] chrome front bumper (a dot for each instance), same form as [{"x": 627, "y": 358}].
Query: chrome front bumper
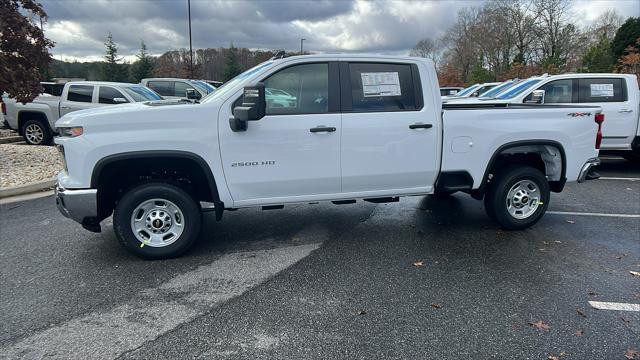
[
  {"x": 586, "y": 168},
  {"x": 77, "y": 204}
]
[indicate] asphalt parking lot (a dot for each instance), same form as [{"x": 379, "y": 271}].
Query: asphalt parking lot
[{"x": 423, "y": 278}]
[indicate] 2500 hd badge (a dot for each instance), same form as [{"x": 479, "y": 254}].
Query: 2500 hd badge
[{"x": 253, "y": 163}]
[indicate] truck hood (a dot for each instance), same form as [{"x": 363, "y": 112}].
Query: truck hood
[{"x": 131, "y": 112}]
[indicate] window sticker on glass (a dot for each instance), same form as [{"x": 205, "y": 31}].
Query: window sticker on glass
[
  {"x": 601, "y": 90},
  {"x": 380, "y": 84}
]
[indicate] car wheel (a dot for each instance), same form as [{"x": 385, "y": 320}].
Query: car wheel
[
  {"x": 517, "y": 197},
  {"x": 157, "y": 221},
  {"x": 35, "y": 132}
]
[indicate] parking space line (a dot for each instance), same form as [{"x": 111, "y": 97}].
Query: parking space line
[
  {"x": 593, "y": 214},
  {"x": 614, "y": 306},
  {"x": 618, "y": 178}
]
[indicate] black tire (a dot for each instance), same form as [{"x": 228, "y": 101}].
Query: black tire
[
  {"x": 495, "y": 199},
  {"x": 191, "y": 220},
  {"x": 40, "y": 127}
]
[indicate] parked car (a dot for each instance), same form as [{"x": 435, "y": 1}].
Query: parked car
[
  {"x": 35, "y": 120},
  {"x": 616, "y": 94},
  {"x": 174, "y": 88},
  {"x": 450, "y": 90},
  {"x": 376, "y": 134},
  {"x": 474, "y": 90}
]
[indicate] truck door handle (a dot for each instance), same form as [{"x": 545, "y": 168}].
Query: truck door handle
[
  {"x": 65, "y": 107},
  {"x": 322, "y": 128},
  {"x": 625, "y": 111},
  {"x": 420, "y": 126}
]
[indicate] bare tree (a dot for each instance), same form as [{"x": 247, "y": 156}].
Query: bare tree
[
  {"x": 428, "y": 48},
  {"x": 606, "y": 25},
  {"x": 462, "y": 49},
  {"x": 554, "y": 30}
]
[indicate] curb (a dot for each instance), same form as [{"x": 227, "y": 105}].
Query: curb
[
  {"x": 27, "y": 189},
  {"x": 11, "y": 139}
]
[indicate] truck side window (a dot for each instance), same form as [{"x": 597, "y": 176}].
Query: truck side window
[
  {"x": 599, "y": 90},
  {"x": 180, "y": 89},
  {"x": 299, "y": 89},
  {"x": 558, "y": 91},
  {"x": 107, "y": 94},
  {"x": 164, "y": 88},
  {"x": 381, "y": 87},
  {"x": 80, "y": 93}
]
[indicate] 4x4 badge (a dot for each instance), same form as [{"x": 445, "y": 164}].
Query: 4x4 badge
[{"x": 578, "y": 114}]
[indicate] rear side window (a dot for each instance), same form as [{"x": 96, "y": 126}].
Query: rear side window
[
  {"x": 379, "y": 87},
  {"x": 559, "y": 91},
  {"x": 80, "y": 93},
  {"x": 601, "y": 90},
  {"x": 164, "y": 88},
  {"x": 107, "y": 94}
]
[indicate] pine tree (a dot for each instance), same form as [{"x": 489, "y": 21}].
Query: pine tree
[
  {"x": 143, "y": 67},
  {"x": 111, "y": 70},
  {"x": 231, "y": 68},
  {"x": 598, "y": 57}
]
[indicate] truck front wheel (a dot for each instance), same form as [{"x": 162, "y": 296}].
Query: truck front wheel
[
  {"x": 517, "y": 197},
  {"x": 157, "y": 221}
]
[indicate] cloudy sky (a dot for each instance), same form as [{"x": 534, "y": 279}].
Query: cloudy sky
[{"x": 79, "y": 27}]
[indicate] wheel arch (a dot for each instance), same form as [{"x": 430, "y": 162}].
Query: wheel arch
[
  {"x": 526, "y": 147},
  {"x": 25, "y": 115},
  {"x": 150, "y": 161}
]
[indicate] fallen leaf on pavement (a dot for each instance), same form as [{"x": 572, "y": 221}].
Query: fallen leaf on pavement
[
  {"x": 581, "y": 313},
  {"x": 634, "y": 273},
  {"x": 571, "y": 221},
  {"x": 626, "y": 321},
  {"x": 540, "y": 325},
  {"x": 632, "y": 354},
  {"x": 362, "y": 312},
  {"x": 579, "y": 332},
  {"x": 418, "y": 263},
  {"x": 592, "y": 293},
  {"x": 436, "y": 306}
]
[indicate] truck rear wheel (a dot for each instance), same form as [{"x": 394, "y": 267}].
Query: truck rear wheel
[
  {"x": 35, "y": 132},
  {"x": 517, "y": 197},
  {"x": 157, "y": 221}
]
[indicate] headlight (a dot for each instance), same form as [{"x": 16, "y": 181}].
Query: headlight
[{"x": 70, "y": 131}]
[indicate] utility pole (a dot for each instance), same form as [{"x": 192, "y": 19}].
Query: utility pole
[
  {"x": 301, "y": 42},
  {"x": 190, "y": 44}
]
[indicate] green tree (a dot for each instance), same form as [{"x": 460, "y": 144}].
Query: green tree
[
  {"x": 598, "y": 57},
  {"x": 626, "y": 36},
  {"x": 111, "y": 69},
  {"x": 24, "y": 51},
  {"x": 143, "y": 67},
  {"x": 231, "y": 68}
]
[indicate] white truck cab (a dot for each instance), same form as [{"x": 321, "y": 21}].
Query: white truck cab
[
  {"x": 35, "y": 121},
  {"x": 353, "y": 127}
]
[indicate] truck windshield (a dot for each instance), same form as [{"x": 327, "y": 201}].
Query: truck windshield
[
  {"x": 468, "y": 90},
  {"x": 230, "y": 85},
  {"x": 203, "y": 86},
  {"x": 518, "y": 89},
  {"x": 498, "y": 89},
  {"x": 141, "y": 93}
]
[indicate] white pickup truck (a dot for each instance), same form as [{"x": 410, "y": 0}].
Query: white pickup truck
[
  {"x": 35, "y": 120},
  {"x": 360, "y": 127},
  {"x": 616, "y": 94}
]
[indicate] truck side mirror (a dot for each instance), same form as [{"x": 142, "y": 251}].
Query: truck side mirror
[
  {"x": 192, "y": 94},
  {"x": 252, "y": 109},
  {"x": 537, "y": 97},
  {"x": 120, "y": 100}
]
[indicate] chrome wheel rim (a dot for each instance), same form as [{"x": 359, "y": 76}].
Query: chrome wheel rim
[
  {"x": 523, "y": 199},
  {"x": 157, "y": 222},
  {"x": 34, "y": 134}
]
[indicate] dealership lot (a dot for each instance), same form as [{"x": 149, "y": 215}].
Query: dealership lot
[{"x": 423, "y": 278}]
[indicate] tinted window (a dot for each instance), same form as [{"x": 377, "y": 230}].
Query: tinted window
[
  {"x": 181, "y": 89},
  {"x": 468, "y": 90},
  {"x": 107, "y": 94},
  {"x": 558, "y": 91},
  {"x": 53, "y": 89},
  {"x": 381, "y": 87},
  {"x": 498, "y": 89},
  {"x": 300, "y": 89},
  {"x": 80, "y": 93},
  {"x": 141, "y": 93},
  {"x": 517, "y": 89},
  {"x": 164, "y": 88},
  {"x": 601, "y": 90}
]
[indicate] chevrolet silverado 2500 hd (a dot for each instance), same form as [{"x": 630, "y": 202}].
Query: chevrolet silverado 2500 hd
[{"x": 355, "y": 127}]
